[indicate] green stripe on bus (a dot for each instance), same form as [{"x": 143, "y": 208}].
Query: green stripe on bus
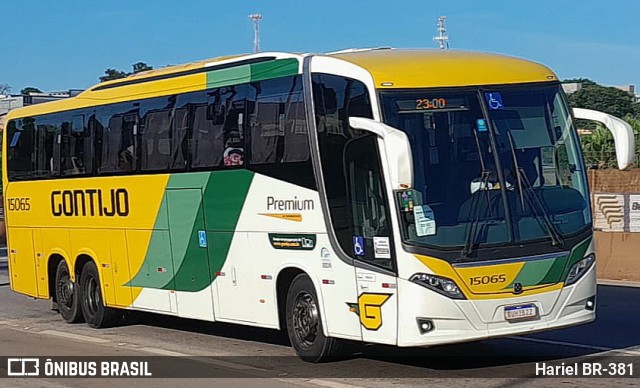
[
  {"x": 225, "y": 196},
  {"x": 554, "y": 275},
  {"x": 534, "y": 272},
  {"x": 274, "y": 69},
  {"x": 226, "y": 77},
  {"x": 179, "y": 250},
  {"x": 249, "y": 73},
  {"x": 577, "y": 254}
]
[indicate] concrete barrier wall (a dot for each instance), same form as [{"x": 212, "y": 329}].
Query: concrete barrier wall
[{"x": 618, "y": 253}]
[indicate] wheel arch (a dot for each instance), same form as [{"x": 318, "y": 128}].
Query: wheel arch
[
  {"x": 52, "y": 266},
  {"x": 81, "y": 260},
  {"x": 283, "y": 281}
]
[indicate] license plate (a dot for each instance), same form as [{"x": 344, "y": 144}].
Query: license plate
[{"x": 521, "y": 312}]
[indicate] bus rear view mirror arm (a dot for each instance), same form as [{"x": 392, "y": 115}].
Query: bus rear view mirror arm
[
  {"x": 622, "y": 134},
  {"x": 396, "y": 148}
]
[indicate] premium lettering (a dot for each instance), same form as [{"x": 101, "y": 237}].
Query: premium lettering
[
  {"x": 90, "y": 203},
  {"x": 289, "y": 204}
]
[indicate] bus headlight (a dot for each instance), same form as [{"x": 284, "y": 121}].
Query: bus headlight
[
  {"x": 439, "y": 284},
  {"x": 579, "y": 269}
]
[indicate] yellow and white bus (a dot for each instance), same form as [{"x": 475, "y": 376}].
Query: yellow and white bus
[{"x": 403, "y": 197}]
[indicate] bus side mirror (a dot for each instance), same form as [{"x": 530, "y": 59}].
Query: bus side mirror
[
  {"x": 622, "y": 134},
  {"x": 397, "y": 150}
]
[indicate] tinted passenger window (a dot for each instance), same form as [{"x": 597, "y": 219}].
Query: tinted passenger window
[
  {"x": 278, "y": 125},
  {"x": 48, "y": 129},
  {"x": 119, "y": 123},
  {"x": 21, "y": 137},
  {"x": 156, "y": 148},
  {"x": 191, "y": 131},
  {"x": 76, "y": 147}
]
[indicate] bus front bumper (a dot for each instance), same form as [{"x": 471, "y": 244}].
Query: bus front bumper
[{"x": 452, "y": 321}]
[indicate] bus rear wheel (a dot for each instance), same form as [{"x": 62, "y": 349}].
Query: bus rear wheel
[
  {"x": 304, "y": 323},
  {"x": 66, "y": 293},
  {"x": 95, "y": 312}
]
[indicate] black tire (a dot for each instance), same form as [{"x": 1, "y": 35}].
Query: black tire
[
  {"x": 67, "y": 295},
  {"x": 304, "y": 323},
  {"x": 94, "y": 311}
]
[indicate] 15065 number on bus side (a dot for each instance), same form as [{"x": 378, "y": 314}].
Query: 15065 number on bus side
[{"x": 19, "y": 204}]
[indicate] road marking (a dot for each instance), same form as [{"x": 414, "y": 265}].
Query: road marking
[
  {"x": 575, "y": 345},
  {"x": 330, "y": 383},
  {"x": 227, "y": 364},
  {"x": 83, "y": 338},
  {"x": 162, "y": 352}
]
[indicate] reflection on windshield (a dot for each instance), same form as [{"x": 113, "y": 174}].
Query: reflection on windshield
[{"x": 525, "y": 184}]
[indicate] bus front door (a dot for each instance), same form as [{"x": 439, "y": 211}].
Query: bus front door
[{"x": 377, "y": 304}]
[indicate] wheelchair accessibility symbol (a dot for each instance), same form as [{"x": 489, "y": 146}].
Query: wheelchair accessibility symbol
[
  {"x": 358, "y": 245},
  {"x": 494, "y": 100}
]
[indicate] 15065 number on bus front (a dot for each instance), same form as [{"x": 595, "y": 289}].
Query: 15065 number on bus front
[{"x": 488, "y": 279}]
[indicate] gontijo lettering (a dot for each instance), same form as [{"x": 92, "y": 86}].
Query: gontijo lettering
[{"x": 90, "y": 202}]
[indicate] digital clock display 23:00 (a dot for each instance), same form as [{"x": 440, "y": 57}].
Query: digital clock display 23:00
[{"x": 432, "y": 104}]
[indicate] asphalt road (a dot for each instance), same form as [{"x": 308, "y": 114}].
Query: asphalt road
[{"x": 247, "y": 356}]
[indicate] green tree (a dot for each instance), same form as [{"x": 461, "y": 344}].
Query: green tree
[
  {"x": 598, "y": 148},
  {"x": 141, "y": 66},
  {"x": 30, "y": 89},
  {"x": 111, "y": 74},
  {"x": 605, "y": 99},
  {"x": 583, "y": 81},
  {"x": 635, "y": 124}
]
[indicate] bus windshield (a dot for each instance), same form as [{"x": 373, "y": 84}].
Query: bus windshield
[{"x": 492, "y": 166}]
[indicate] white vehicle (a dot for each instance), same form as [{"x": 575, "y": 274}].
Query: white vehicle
[{"x": 402, "y": 197}]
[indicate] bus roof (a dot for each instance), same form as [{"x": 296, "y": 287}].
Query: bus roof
[
  {"x": 390, "y": 68},
  {"x": 188, "y": 77},
  {"x": 393, "y": 68}
]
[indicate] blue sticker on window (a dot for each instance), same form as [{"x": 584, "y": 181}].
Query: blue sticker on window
[
  {"x": 481, "y": 124},
  {"x": 202, "y": 239},
  {"x": 358, "y": 245},
  {"x": 494, "y": 100},
  {"x": 14, "y": 139}
]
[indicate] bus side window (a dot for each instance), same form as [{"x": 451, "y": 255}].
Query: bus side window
[
  {"x": 115, "y": 142},
  {"x": 21, "y": 137},
  {"x": 76, "y": 147},
  {"x": 155, "y": 133}
]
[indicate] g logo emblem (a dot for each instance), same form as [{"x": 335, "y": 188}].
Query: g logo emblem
[{"x": 369, "y": 309}]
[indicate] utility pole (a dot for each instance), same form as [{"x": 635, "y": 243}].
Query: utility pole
[
  {"x": 442, "y": 38},
  {"x": 256, "y": 17}
]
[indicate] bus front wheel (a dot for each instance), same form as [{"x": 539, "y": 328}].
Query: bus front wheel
[
  {"x": 95, "y": 312},
  {"x": 66, "y": 291},
  {"x": 304, "y": 324}
]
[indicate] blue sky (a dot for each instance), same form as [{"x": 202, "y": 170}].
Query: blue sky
[{"x": 63, "y": 44}]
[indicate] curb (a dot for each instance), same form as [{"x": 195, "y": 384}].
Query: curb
[{"x": 619, "y": 283}]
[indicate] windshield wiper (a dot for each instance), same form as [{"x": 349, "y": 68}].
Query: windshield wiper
[
  {"x": 539, "y": 211},
  {"x": 474, "y": 211},
  {"x": 484, "y": 183}
]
